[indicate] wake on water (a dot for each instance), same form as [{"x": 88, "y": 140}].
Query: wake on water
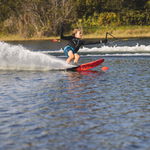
[
  {"x": 137, "y": 50},
  {"x": 19, "y": 58}
]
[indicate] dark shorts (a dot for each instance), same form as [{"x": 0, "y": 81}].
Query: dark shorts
[{"x": 67, "y": 49}]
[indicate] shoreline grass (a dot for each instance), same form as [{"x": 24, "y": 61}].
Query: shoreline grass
[
  {"x": 122, "y": 32},
  {"x": 118, "y": 32}
]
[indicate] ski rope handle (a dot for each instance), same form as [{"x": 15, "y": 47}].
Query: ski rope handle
[{"x": 113, "y": 37}]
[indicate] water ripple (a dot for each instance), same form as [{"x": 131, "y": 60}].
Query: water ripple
[{"x": 77, "y": 110}]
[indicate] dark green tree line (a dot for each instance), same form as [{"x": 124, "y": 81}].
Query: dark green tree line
[{"x": 39, "y": 18}]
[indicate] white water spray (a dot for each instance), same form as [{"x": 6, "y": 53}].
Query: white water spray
[
  {"x": 137, "y": 50},
  {"x": 19, "y": 58}
]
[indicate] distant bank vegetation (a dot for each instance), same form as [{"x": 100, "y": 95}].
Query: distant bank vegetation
[{"x": 42, "y": 18}]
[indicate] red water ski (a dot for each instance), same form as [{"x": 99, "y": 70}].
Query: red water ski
[{"x": 87, "y": 66}]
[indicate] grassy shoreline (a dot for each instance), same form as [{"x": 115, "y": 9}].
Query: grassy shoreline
[{"x": 120, "y": 32}]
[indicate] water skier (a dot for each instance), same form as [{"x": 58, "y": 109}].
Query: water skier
[{"x": 75, "y": 43}]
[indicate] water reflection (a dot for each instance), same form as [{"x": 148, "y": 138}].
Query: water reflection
[
  {"x": 82, "y": 85},
  {"x": 79, "y": 81}
]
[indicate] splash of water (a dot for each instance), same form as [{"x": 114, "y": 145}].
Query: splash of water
[{"x": 19, "y": 58}]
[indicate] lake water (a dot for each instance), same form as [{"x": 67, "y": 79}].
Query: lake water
[{"x": 43, "y": 108}]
